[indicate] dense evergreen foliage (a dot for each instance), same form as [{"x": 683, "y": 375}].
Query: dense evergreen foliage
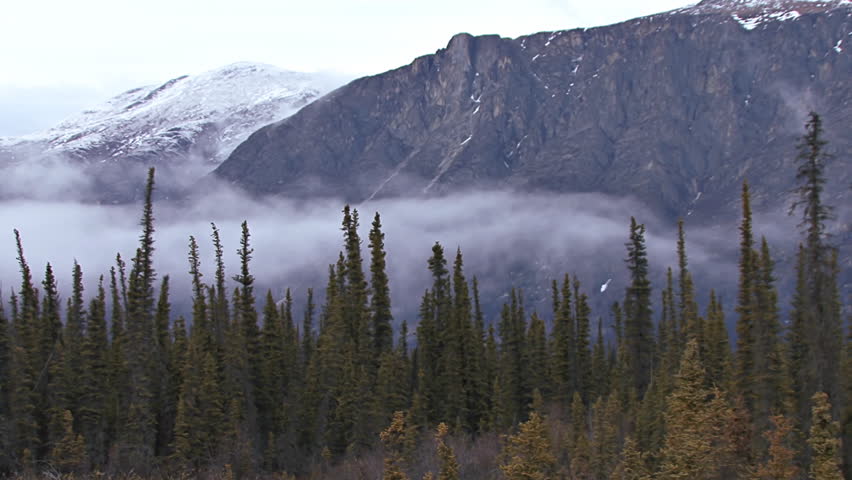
[{"x": 121, "y": 386}]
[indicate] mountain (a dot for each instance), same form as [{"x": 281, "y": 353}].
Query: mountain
[
  {"x": 187, "y": 123},
  {"x": 675, "y": 109}
]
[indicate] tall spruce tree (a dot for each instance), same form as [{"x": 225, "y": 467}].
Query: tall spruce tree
[
  {"x": 563, "y": 344},
  {"x": 24, "y": 399},
  {"x": 380, "y": 302},
  {"x": 638, "y": 328},
  {"x": 688, "y": 320},
  {"x": 219, "y": 313},
  {"x": 769, "y": 383},
  {"x": 583, "y": 355},
  {"x": 138, "y": 433},
  {"x": 817, "y": 304},
  {"x": 744, "y": 372}
]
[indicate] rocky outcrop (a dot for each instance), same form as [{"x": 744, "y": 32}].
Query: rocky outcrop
[{"x": 676, "y": 109}]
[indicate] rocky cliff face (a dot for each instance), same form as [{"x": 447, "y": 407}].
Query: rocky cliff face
[{"x": 676, "y": 109}]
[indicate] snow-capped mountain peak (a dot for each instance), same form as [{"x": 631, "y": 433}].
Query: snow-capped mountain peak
[{"x": 205, "y": 115}]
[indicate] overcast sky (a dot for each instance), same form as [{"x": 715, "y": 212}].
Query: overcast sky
[{"x": 58, "y": 57}]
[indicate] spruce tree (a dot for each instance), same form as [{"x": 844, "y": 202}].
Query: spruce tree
[
  {"x": 118, "y": 376},
  {"x": 780, "y": 464},
  {"x": 455, "y": 338},
  {"x": 817, "y": 303},
  {"x": 46, "y": 357},
  {"x": 244, "y": 310},
  {"x": 5, "y": 387},
  {"x": 308, "y": 335},
  {"x": 537, "y": 355},
  {"x": 476, "y": 373},
  {"x": 825, "y": 446},
  {"x": 638, "y": 334},
  {"x": 138, "y": 434},
  {"x": 604, "y": 445},
  {"x": 563, "y": 345},
  {"x": 600, "y": 367},
  {"x": 24, "y": 371},
  {"x": 93, "y": 380},
  {"x": 744, "y": 372},
  {"x": 449, "y": 466},
  {"x": 583, "y": 354},
  {"x": 380, "y": 304},
  {"x": 527, "y": 454},
  {"x": 717, "y": 359},
  {"x": 219, "y": 312},
  {"x": 768, "y": 351},
  {"x": 165, "y": 396},
  {"x": 69, "y": 454},
  {"x": 688, "y": 319},
  {"x": 393, "y": 439},
  {"x": 632, "y": 465},
  {"x": 272, "y": 382},
  {"x": 692, "y": 444},
  {"x": 355, "y": 291}
]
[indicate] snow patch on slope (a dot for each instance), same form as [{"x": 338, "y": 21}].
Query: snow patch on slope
[{"x": 751, "y": 23}]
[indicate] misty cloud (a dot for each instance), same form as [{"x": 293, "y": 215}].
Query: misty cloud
[
  {"x": 508, "y": 238},
  {"x": 43, "y": 179}
]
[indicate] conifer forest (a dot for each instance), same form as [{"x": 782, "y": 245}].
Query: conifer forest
[{"x": 111, "y": 384}]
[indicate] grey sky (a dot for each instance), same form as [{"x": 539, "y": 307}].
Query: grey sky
[{"x": 58, "y": 56}]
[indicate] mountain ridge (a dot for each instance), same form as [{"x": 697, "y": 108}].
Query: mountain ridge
[{"x": 668, "y": 106}]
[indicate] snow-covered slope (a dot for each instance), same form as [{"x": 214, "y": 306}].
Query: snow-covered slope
[
  {"x": 754, "y": 13},
  {"x": 205, "y": 116}
]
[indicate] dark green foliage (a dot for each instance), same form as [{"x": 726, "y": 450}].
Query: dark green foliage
[
  {"x": 93, "y": 380},
  {"x": 219, "y": 301},
  {"x": 273, "y": 380},
  {"x": 380, "y": 304},
  {"x": 744, "y": 367},
  {"x": 23, "y": 386},
  {"x": 688, "y": 320},
  {"x": 537, "y": 355},
  {"x": 717, "y": 358},
  {"x": 583, "y": 354},
  {"x": 638, "y": 328},
  {"x": 138, "y": 433},
  {"x": 563, "y": 345}
]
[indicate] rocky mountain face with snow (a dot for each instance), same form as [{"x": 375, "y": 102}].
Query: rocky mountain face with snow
[
  {"x": 676, "y": 108},
  {"x": 185, "y": 126}
]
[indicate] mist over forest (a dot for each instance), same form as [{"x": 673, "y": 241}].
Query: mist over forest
[{"x": 509, "y": 238}]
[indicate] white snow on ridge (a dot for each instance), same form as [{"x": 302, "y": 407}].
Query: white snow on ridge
[
  {"x": 747, "y": 10},
  {"x": 837, "y": 47},
  {"x": 750, "y": 23},
  {"x": 766, "y": 5},
  {"x": 605, "y": 285}
]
